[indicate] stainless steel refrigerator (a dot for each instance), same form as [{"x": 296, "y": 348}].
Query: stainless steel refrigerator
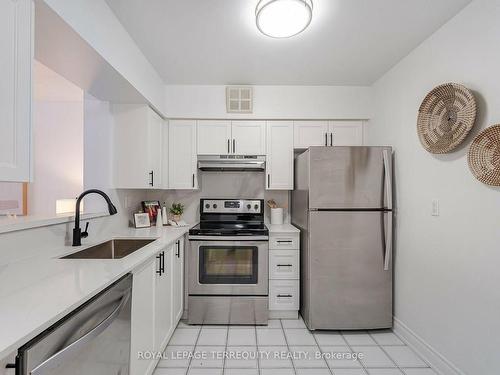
[{"x": 342, "y": 203}]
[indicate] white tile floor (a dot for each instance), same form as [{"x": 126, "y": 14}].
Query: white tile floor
[{"x": 268, "y": 350}]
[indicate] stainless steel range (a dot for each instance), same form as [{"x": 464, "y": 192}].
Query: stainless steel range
[{"x": 228, "y": 263}]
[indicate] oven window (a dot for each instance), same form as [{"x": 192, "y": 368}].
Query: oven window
[{"x": 228, "y": 264}]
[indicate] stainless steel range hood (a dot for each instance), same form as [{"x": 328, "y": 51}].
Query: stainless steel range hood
[{"x": 231, "y": 163}]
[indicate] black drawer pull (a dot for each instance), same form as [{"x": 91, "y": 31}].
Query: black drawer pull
[
  {"x": 284, "y": 295},
  {"x": 284, "y": 265},
  {"x": 284, "y": 241}
]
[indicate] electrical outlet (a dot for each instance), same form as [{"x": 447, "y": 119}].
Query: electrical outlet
[{"x": 435, "y": 207}]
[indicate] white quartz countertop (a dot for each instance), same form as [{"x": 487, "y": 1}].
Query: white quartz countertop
[
  {"x": 282, "y": 228},
  {"x": 36, "y": 293}
]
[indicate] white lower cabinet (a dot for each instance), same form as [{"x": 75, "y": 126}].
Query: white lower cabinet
[
  {"x": 284, "y": 275},
  {"x": 178, "y": 279},
  {"x": 284, "y": 295},
  {"x": 163, "y": 299},
  {"x": 157, "y": 291},
  {"x": 283, "y": 264},
  {"x": 142, "y": 325}
]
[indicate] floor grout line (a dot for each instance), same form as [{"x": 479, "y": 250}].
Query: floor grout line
[{"x": 363, "y": 367}]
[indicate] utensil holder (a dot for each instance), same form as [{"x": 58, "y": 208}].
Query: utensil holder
[{"x": 277, "y": 216}]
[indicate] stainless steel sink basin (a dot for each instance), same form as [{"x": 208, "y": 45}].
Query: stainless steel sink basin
[{"x": 114, "y": 249}]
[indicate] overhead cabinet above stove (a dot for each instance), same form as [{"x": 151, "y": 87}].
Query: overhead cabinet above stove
[{"x": 224, "y": 137}]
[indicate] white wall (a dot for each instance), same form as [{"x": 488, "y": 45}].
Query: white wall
[
  {"x": 57, "y": 141},
  {"x": 273, "y": 102},
  {"x": 447, "y": 279},
  {"x": 96, "y": 23}
]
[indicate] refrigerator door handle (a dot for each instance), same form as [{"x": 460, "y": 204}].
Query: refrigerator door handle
[
  {"x": 388, "y": 241},
  {"x": 388, "y": 178}
]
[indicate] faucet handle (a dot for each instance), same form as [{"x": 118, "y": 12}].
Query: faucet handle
[{"x": 85, "y": 233}]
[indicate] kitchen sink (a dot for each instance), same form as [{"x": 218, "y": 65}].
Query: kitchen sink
[{"x": 113, "y": 249}]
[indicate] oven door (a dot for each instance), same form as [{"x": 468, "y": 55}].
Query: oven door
[{"x": 220, "y": 267}]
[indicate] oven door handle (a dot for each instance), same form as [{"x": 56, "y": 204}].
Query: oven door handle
[{"x": 69, "y": 351}]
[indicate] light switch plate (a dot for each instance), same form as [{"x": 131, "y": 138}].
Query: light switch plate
[{"x": 435, "y": 207}]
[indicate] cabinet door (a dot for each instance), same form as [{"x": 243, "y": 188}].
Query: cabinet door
[
  {"x": 249, "y": 137},
  {"x": 182, "y": 154},
  {"x": 310, "y": 133},
  {"x": 133, "y": 146},
  {"x": 155, "y": 127},
  {"x": 345, "y": 133},
  {"x": 163, "y": 300},
  {"x": 142, "y": 323},
  {"x": 164, "y": 156},
  {"x": 279, "y": 158},
  {"x": 178, "y": 276},
  {"x": 16, "y": 56},
  {"x": 214, "y": 137}
]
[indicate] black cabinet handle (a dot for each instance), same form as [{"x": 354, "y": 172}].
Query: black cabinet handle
[
  {"x": 284, "y": 265},
  {"x": 193, "y": 180},
  {"x": 162, "y": 261},
  {"x": 284, "y": 241},
  {"x": 152, "y": 181},
  {"x": 268, "y": 181},
  {"x": 331, "y": 139},
  {"x": 234, "y": 146},
  {"x": 158, "y": 271},
  {"x": 326, "y": 139},
  {"x": 228, "y": 146},
  {"x": 178, "y": 253},
  {"x": 284, "y": 296}
]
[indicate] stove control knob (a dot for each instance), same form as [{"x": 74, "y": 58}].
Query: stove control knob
[
  {"x": 214, "y": 205},
  {"x": 256, "y": 207},
  {"x": 249, "y": 206},
  {"x": 207, "y": 206}
]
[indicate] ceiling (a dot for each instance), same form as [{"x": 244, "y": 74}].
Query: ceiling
[{"x": 349, "y": 42}]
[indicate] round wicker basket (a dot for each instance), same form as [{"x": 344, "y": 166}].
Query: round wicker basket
[
  {"x": 445, "y": 117},
  {"x": 484, "y": 156}
]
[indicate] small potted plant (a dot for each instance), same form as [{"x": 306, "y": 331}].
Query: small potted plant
[{"x": 177, "y": 209}]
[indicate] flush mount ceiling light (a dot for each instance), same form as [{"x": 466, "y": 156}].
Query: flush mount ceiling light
[{"x": 283, "y": 18}]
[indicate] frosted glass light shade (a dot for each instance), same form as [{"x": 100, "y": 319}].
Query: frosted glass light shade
[{"x": 283, "y": 18}]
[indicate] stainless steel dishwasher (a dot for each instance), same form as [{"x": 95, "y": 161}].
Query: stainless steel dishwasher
[{"x": 93, "y": 339}]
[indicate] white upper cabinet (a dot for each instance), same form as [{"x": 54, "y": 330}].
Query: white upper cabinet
[
  {"x": 16, "y": 59},
  {"x": 310, "y": 133},
  {"x": 346, "y": 133},
  {"x": 231, "y": 137},
  {"x": 214, "y": 137},
  {"x": 164, "y": 154},
  {"x": 249, "y": 137},
  {"x": 137, "y": 147},
  {"x": 328, "y": 133},
  {"x": 279, "y": 156},
  {"x": 182, "y": 156}
]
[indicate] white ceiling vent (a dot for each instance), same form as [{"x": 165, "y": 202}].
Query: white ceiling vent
[{"x": 239, "y": 99}]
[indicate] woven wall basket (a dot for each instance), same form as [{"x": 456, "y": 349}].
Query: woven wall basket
[
  {"x": 445, "y": 117},
  {"x": 484, "y": 156}
]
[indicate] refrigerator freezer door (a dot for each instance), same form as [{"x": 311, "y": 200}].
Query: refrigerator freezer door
[
  {"x": 349, "y": 177},
  {"x": 346, "y": 284}
]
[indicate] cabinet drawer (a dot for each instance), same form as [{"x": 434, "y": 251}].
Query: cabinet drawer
[
  {"x": 284, "y": 264},
  {"x": 286, "y": 241},
  {"x": 283, "y": 294}
]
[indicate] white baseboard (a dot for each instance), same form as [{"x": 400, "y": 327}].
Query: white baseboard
[{"x": 437, "y": 361}]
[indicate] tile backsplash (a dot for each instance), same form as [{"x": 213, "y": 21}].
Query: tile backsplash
[{"x": 223, "y": 185}]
